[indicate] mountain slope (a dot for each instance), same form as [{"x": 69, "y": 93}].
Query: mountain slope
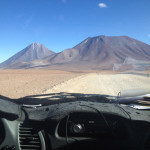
[
  {"x": 32, "y": 52},
  {"x": 102, "y": 52},
  {"x": 98, "y": 53}
]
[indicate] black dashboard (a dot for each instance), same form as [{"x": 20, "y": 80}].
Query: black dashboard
[{"x": 73, "y": 125}]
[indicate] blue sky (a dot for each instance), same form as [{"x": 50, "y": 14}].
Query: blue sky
[{"x": 61, "y": 24}]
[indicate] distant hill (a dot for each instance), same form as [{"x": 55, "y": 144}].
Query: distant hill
[
  {"x": 94, "y": 53},
  {"x": 35, "y": 51},
  {"x": 101, "y": 52}
]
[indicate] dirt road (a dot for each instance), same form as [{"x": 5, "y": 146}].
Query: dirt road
[
  {"x": 96, "y": 83},
  {"x": 20, "y": 83}
]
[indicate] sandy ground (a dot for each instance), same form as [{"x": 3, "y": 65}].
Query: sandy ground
[
  {"x": 96, "y": 83},
  {"x": 20, "y": 83}
]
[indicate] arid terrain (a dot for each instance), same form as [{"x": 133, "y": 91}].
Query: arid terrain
[
  {"x": 97, "y": 83},
  {"x": 20, "y": 83}
]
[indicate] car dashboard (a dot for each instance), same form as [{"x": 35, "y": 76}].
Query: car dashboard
[{"x": 74, "y": 125}]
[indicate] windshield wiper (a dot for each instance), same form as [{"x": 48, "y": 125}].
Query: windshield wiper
[
  {"x": 32, "y": 106},
  {"x": 140, "y": 107},
  {"x": 142, "y": 99}
]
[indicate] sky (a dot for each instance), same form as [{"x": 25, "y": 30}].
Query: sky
[{"x": 62, "y": 24}]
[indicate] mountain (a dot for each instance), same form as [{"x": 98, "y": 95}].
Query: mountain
[
  {"x": 35, "y": 51},
  {"x": 101, "y": 52},
  {"x": 94, "y": 53}
]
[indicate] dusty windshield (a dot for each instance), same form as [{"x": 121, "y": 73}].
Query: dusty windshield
[{"x": 74, "y": 46}]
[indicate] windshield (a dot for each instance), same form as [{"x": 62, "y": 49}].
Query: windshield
[
  {"x": 75, "y": 47},
  {"x": 74, "y": 74}
]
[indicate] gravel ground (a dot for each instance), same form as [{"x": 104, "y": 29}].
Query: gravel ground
[
  {"x": 96, "y": 83},
  {"x": 20, "y": 83}
]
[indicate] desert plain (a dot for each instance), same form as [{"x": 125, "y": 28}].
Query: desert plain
[{"x": 20, "y": 83}]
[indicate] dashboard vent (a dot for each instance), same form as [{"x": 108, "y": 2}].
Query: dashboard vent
[
  {"x": 29, "y": 138},
  {"x": 147, "y": 142}
]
